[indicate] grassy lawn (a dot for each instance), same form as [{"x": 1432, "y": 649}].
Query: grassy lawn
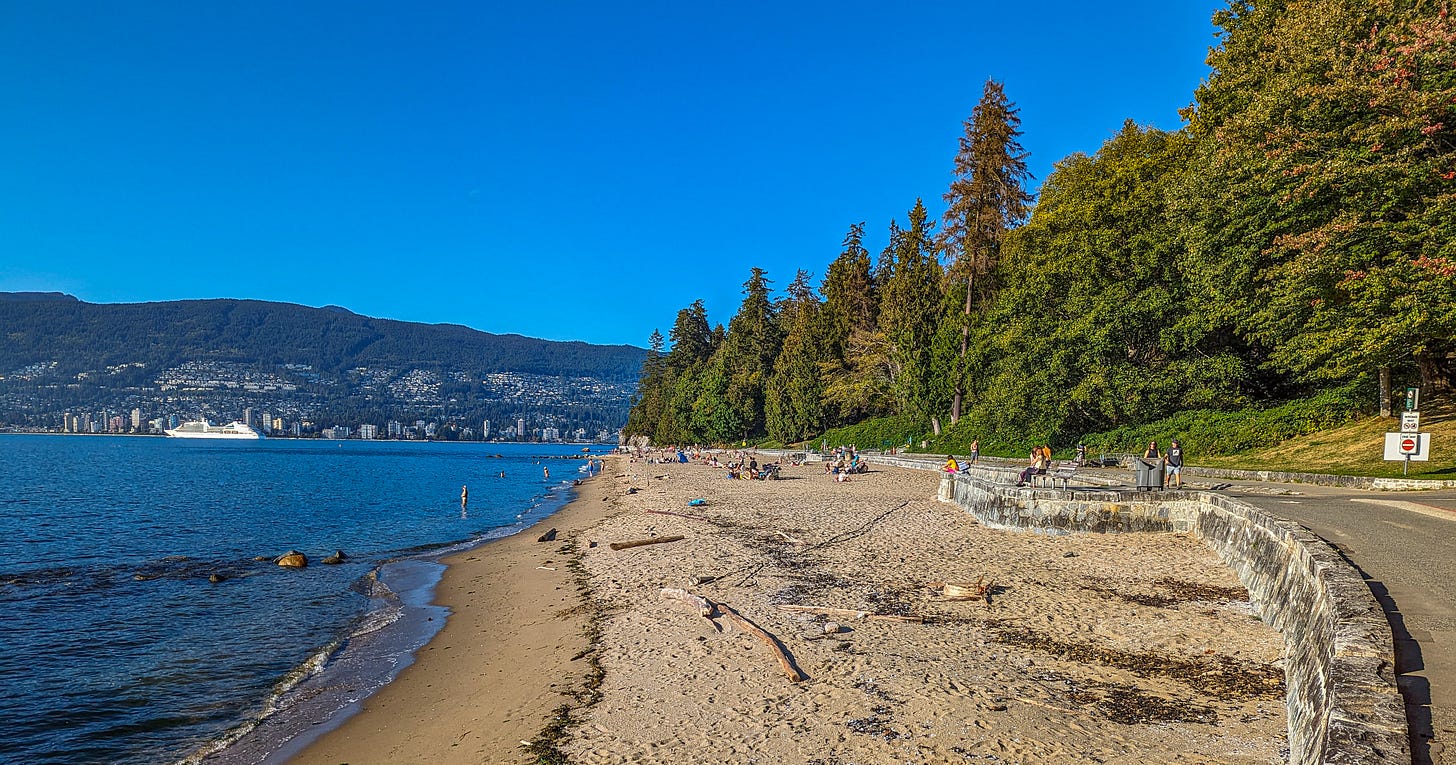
[{"x": 1356, "y": 449}]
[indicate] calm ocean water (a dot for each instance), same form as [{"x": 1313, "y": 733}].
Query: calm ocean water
[{"x": 118, "y": 649}]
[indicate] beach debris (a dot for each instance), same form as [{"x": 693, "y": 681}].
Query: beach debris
[
  {"x": 791, "y": 540},
  {"x": 631, "y": 490},
  {"x": 853, "y": 614},
  {"x": 292, "y": 559},
  {"x": 681, "y": 515},
  {"x": 832, "y": 628},
  {"x": 697, "y": 502},
  {"x": 709, "y": 610},
  {"x": 704, "y": 579},
  {"x": 335, "y": 559},
  {"x": 786, "y": 660},
  {"x": 705, "y": 607},
  {"x": 965, "y": 591},
  {"x": 549, "y": 536},
  {"x": 641, "y": 542},
  {"x": 545, "y": 568}
]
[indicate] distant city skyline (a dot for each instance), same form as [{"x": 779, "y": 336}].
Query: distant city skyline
[{"x": 574, "y": 171}]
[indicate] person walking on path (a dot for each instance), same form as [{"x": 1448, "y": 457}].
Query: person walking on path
[
  {"x": 975, "y": 450},
  {"x": 1174, "y": 462},
  {"x": 1152, "y": 453}
]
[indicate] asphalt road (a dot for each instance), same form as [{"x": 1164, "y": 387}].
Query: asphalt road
[{"x": 1405, "y": 545}]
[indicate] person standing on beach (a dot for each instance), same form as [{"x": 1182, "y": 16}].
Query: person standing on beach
[{"x": 1174, "y": 464}]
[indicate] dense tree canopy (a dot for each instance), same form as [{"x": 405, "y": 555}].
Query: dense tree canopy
[{"x": 1298, "y": 234}]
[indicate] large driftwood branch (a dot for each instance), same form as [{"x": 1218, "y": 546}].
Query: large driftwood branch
[
  {"x": 641, "y": 542},
  {"x": 786, "y": 661}
]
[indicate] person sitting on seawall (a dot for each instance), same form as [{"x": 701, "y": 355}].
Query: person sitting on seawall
[
  {"x": 1174, "y": 465},
  {"x": 951, "y": 466},
  {"x": 1040, "y": 457}
]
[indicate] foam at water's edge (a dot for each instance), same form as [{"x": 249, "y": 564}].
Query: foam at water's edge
[{"x": 328, "y": 687}]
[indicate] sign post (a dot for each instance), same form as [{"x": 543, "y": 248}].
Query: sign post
[
  {"x": 1410, "y": 422},
  {"x": 1412, "y": 399}
]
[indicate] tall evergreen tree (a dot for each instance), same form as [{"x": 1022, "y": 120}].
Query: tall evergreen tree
[
  {"x": 692, "y": 338},
  {"x": 850, "y": 300},
  {"x": 749, "y": 351},
  {"x": 794, "y": 402},
  {"x": 652, "y": 391},
  {"x": 910, "y": 311},
  {"x": 986, "y": 199}
]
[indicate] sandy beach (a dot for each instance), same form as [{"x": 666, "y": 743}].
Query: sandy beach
[
  {"x": 1116, "y": 649},
  {"x": 503, "y": 662}
]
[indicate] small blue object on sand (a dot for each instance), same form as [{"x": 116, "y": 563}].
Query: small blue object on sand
[{"x": 697, "y": 502}]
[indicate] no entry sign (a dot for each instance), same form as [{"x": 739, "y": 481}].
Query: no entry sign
[{"x": 1415, "y": 447}]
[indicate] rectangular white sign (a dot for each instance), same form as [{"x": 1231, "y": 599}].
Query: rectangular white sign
[
  {"x": 1410, "y": 422},
  {"x": 1396, "y": 447}
]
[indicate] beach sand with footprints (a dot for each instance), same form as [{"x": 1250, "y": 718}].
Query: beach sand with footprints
[{"x": 1076, "y": 648}]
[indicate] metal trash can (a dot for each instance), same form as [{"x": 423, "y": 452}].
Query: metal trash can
[{"x": 1149, "y": 475}]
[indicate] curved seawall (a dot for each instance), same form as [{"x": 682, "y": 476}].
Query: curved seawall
[{"x": 1343, "y": 706}]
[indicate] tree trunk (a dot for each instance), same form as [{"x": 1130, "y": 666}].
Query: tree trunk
[
  {"x": 955, "y": 404},
  {"x": 935, "y": 425},
  {"x": 1385, "y": 391}
]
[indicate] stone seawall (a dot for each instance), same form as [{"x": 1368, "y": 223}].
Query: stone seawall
[{"x": 1343, "y": 705}]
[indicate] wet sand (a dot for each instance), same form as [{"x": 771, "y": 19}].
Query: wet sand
[{"x": 495, "y": 673}]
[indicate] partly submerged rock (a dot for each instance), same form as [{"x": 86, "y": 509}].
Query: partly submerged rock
[
  {"x": 293, "y": 559},
  {"x": 336, "y": 558}
]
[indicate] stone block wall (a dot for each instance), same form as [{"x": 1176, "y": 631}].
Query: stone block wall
[{"x": 1343, "y": 705}]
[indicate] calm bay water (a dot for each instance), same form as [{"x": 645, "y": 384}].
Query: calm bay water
[{"x": 116, "y": 648}]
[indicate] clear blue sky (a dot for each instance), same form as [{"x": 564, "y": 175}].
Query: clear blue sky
[{"x": 556, "y": 169}]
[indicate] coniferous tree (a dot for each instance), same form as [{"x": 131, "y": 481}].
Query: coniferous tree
[
  {"x": 910, "y": 312},
  {"x": 692, "y": 338},
  {"x": 652, "y": 392},
  {"x": 749, "y": 351},
  {"x": 794, "y": 402},
  {"x": 987, "y": 198}
]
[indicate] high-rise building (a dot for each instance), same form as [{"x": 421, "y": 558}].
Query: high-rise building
[
  {"x": 136, "y": 420},
  {"x": 267, "y": 422},
  {"x": 248, "y": 417},
  {"x": 521, "y": 429},
  {"x": 368, "y": 432},
  {"x": 485, "y": 431}
]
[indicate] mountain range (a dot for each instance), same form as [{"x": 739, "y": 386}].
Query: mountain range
[{"x": 195, "y": 357}]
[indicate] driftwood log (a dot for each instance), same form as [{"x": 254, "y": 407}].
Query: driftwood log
[
  {"x": 853, "y": 614},
  {"x": 709, "y": 609},
  {"x": 786, "y": 661},
  {"x": 641, "y": 542}
]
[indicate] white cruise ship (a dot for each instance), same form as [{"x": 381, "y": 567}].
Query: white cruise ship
[{"x": 234, "y": 429}]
